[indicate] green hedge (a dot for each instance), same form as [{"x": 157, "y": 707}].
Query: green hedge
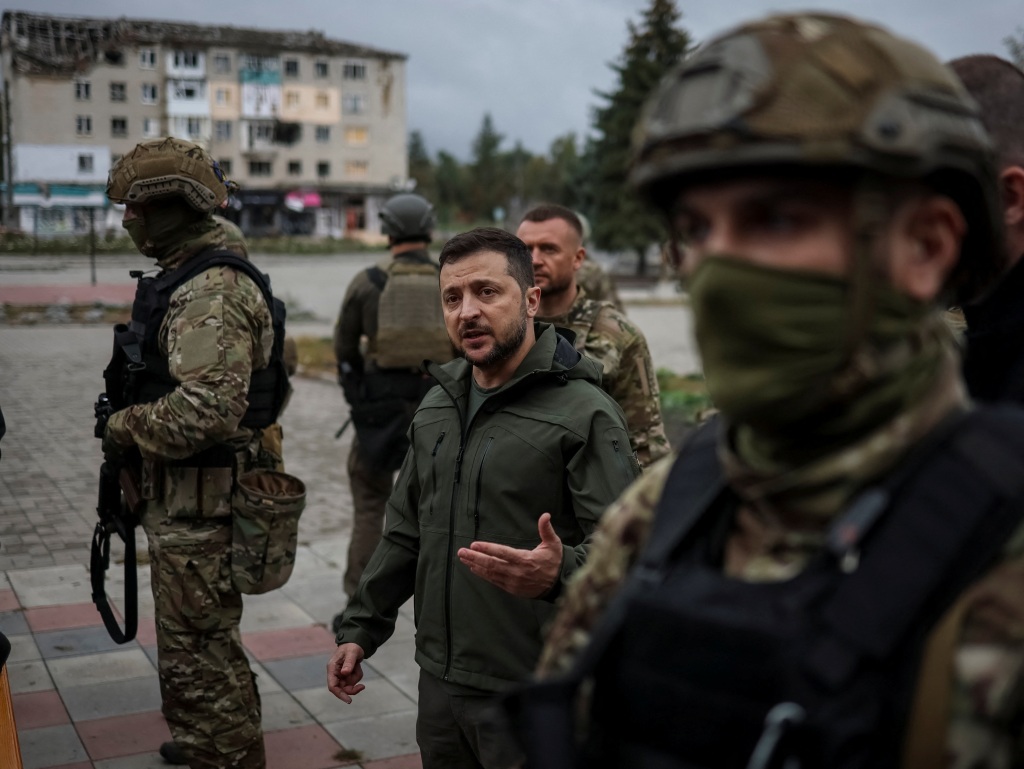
[{"x": 122, "y": 244}]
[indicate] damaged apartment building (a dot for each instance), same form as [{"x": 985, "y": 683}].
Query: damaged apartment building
[{"x": 312, "y": 129}]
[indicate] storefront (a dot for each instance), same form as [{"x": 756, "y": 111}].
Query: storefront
[
  {"x": 261, "y": 212},
  {"x": 60, "y": 210}
]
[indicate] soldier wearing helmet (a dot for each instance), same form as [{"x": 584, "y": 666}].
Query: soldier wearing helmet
[
  {"x": 828, "y": 574},
  {"x": 390, "y": 322},
  {"x": 192, "y": 373}
]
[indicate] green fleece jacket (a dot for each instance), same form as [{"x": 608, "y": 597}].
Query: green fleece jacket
[{"x": 549, "y": 440}]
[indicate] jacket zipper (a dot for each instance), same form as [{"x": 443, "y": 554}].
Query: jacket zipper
[
  {"x": 450, "y": 566},
  {"x": 433, "y": 472},
  {"x": 479, "y": 487}
]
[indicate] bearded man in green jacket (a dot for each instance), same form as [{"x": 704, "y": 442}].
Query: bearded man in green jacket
[{"x": 514, "y": 456}]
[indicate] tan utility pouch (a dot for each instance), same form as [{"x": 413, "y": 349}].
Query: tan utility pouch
[{"x": 265, "y": 510}]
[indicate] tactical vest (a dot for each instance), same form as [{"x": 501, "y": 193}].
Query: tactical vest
[
  {"x": 140, "y": 373},
  {"x": 410, "y": 323},
  {"x": 691, "y": 668}
]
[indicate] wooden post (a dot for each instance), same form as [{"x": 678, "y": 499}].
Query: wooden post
[{"x": 10, "y": 752}]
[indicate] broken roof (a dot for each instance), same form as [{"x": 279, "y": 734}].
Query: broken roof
[{"x": 44, "y": 44}]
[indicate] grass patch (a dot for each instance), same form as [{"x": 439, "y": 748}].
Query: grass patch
[
  {"x": 11, "y": 243},
  {"x": 348, "y": 754},
  {"x": 683, "y": 397},
  {"x": 46, "y": 314},
  {"x": 316, "y": 356}
]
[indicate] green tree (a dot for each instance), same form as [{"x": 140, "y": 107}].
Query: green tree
[
  {"x": 451, "y": 188},
  {"x": 1015, "y": 45},
  {"x": 620, "y": 220},
  {"x": 489, "y": 182},
  {"x": 421, "y": 167}
]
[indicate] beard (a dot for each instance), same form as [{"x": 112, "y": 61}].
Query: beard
[
  {"x": 554, "y": 288},
  {"x": 506, "y": 344}
]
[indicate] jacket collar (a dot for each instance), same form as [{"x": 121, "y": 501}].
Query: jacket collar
[{"x": 552, "y": 354}]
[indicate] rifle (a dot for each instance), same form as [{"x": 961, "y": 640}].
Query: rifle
[{"x": 118, "y": 508}]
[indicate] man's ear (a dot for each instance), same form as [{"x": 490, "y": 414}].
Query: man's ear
[
  {"x": 532, "y": 301},
  {"x": 928, "y": 232},
  {"x": 578, "y": 258},
  {"x": 1011, "y": 190}
]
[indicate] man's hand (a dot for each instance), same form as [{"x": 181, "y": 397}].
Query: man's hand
[
  {"x": 344, "y": 672},
  {"x": 525, "y": 573}
]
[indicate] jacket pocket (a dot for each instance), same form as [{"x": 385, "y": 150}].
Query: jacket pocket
[{"x": 198, "y": 492}]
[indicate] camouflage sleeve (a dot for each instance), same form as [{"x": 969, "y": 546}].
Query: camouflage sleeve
[
  {"x": 632, "y": 383},
  {"x": 619, "y": 537},
  {"x": 217, "y": 330},
  {"x": 988, "y": 672}
]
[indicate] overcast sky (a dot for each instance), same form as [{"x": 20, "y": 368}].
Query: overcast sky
[{"x": 535, "y": 64}]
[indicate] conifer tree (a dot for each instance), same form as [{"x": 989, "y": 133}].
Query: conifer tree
[{"x": 620, "y": 219}]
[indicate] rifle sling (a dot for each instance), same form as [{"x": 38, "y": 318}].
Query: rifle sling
[{"x": 99, "y": 561}]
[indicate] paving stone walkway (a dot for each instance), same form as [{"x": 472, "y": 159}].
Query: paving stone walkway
[{"x": 81, "y": 701}]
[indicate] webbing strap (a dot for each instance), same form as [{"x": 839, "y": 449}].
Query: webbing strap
[
  {"x": 98, "y": 563},
  {"x": 953, "y": 515},
  {"x": 693, "y": 484}
]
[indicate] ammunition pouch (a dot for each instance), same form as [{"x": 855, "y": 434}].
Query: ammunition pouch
[
  {"x": 265, "y": 510},
  {"x": 382, "y": 411}
]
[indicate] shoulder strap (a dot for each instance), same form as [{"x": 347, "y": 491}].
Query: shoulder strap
[
  {"x": 694, "y": 482},
  {"x": 210, "y": 259},
  {"x": 377, "y": 276},
  {"x": 955, "y": 512}
]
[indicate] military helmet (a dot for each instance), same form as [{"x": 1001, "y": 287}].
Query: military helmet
[
  {"x": 407, "y": 217},
  {"x": 818, "y": 90},
  {"x": 165, "y": 168}
]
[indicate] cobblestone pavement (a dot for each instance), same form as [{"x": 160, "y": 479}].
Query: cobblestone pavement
[{"x": 49, "y": 379}]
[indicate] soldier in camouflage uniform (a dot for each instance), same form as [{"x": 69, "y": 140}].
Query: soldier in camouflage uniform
[
  {"x": 555, "y": 237},
  {"x": 216, "y": 332},
  {"x": 592, "y": 277},
  {"x": 365, "y": 371},
  {"x": 834, "y": 188}
]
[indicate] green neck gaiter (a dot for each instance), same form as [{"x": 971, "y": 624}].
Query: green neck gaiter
[
  {"x": 167, "y": 228},
  {"x": 775, "y": 348}
]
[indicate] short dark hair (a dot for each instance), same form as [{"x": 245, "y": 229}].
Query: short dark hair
[
  {"x": 998, "y": 87},
  {"x": 518, "y": 261},
  {"x": 542, "y": 212}
]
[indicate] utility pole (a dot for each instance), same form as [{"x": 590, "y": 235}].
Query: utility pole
[{"x": 8, "y": 159}]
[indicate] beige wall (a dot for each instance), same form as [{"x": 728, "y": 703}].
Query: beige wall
[{"x": 44, "y": 111}]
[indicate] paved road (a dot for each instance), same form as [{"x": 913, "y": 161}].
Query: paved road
[{"x": 312, "y": 286}]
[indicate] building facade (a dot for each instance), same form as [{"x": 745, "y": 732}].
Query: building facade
[{"x": 312, "y": 129}]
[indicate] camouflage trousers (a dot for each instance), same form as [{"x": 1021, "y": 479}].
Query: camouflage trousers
[
  {"x": 370, "y": 492},
  {"x": 209, "y": 692}
]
